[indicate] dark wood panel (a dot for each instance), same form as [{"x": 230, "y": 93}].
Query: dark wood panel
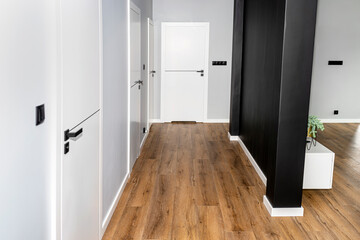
[
  {"x": 285, "y": 174},
  {"x": 275, "y": 90},
  {"x": 261, "y": 81},
  {"x": 236, "y": 72}
]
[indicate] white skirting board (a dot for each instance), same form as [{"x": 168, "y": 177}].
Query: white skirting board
[
  {"x": 283, "y": 212},
  {"x": 233, "y": 138},
  {"x": 206, "y": 121},
  {"x": 251, "y": 159},
  {"x": 274, "y": 212},
  {"x": 340, "y": 120},
  {"x": 217, "y": 121},
  {"x": 144, "y": 138},
  {"x": 114, "y": 204},
  {"x": 155, "y": 121}
]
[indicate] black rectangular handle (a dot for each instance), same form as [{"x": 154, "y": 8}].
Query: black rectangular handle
[
  {"x": 201, "y": 71},
  {"x": 69, "y": 134},
  {"x": 136, "y": 83},
  {"x": 75, "y": 134}
]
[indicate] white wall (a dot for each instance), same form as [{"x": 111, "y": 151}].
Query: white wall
[
  {"x": 115, "y": 101},
  {"x": 28, "y": 53},
  {"x": 337, "y": 38},
  {"x": 115, "y": 96},
  {"x": 220, "y": 15},
  {"x": 28, "y": 75}
]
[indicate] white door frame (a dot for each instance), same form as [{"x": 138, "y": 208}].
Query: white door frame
[
  {"x": 206, "y": 70},
  {"x": 101, "y": 121},
  {"x": 149, "y": 22},
  {"x": 135, "y": 8}
]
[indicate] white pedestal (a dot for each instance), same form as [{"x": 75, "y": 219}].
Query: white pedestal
[{"x": 319, "y": 168}]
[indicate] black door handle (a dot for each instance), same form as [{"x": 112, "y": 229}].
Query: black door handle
[
  {"x": 202, "y": 72},
  {"x": 69, "y": 134},
  {"x": 137, "y": 82}
]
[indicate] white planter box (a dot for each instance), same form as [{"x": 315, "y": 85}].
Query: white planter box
[{"x": 319, "y": 168}]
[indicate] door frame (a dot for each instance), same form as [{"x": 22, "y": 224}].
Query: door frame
[
  {"x": 149, "y": 22},
  {"x": 206, "y": 70},
  {"x": 101, "y": 120}
]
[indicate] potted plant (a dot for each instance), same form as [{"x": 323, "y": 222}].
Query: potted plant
[{"x": 314, "y": 125}]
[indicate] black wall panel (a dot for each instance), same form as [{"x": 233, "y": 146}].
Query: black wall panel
[
  {"x": 262, "y": 64},
  {"x": 285, "y": 175},
  {"x": 234, "y": 127},
  {"x": 274, "y": 82}
]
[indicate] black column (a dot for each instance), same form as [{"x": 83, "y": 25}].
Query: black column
[
  {"x": 285, "y": 174},
  {"x": 234, "y": 128},
  {"x": 271, "y": 94}
]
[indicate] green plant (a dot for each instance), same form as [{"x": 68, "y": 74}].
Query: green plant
[{"x": 314, "y": 124}]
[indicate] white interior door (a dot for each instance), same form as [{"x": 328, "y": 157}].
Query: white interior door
[
  {"x": 81, "y": 184},
  {"x": 152, "y": 72},
  {"x": 185, "y": 54},
  {"x": 81, "y": 60},
  {"x": 80, "y": 51},
  {"x": 135, "y": 82}
]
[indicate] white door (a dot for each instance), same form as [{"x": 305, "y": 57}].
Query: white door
[
  {"x": 185, "y": 53},
  {"x": 135, "y": 82},
  {"x": 80, "y": 51},
  {"x": 81, "y": 60},
  {"x": 81, "y": 184},
  {"x": 152, "y": 72}
]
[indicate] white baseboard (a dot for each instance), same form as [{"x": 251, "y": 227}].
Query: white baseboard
[
  {"x": 155, "y": 121},
  {"x": 144, "y": 138},
  {"x": 274, "y": 212},
  {"x": 340, "y": 120},
  {"x": 217, "y": 121},
  {"x": 206, "y": 121},
  {"x": 114, "y": 204},
  {"x": 233, "y": 138},
  {"x": 250, "y": 157},
  {"x": 283, "y": 212}
]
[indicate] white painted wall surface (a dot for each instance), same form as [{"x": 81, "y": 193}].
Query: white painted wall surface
[
  {"x": 115, "y": 96},
  {"x": 220, "y": 15},
  {"x": 115, "y": 100},
  {"x": 337, "y": 38},
  {"x": 28, "y": 53}
]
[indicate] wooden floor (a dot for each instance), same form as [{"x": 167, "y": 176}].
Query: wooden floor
[{"x": 190, "y": 182}]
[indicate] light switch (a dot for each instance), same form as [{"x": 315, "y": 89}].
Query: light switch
[
  {"x": 219, "y": 63},
  {"x": 40, "y": 114},
  {"x": 335, "y": 62}
]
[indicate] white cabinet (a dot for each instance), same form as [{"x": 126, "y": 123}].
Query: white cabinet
[{"x": 319, "y": 168}]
